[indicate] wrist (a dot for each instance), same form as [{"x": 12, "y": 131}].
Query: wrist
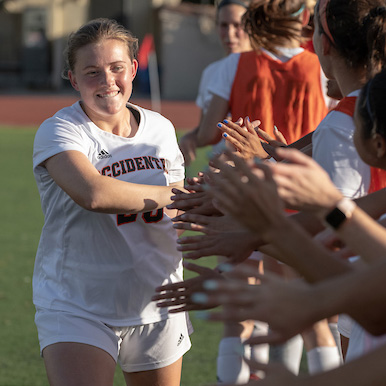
[
  {"x": 328, "y": 204},
  {"x": 277, "y": 231},
  {"x": 339, "y": 213}
]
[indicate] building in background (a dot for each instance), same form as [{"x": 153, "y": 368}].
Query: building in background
[{"x": 33, "y": 35}]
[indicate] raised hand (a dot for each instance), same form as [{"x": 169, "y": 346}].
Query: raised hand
[
  {"x": 196, "y": 200},
  {"x": 237, "y": 246},
  {"x": 271, "y": 144},
  {"x": 178, "y": 295},
  {"x": 249, "y": 196},
  {"x": 244, "y": 138},
  {"x": 302, "y": 183},
  {"x": 206, "y": 224},
  {"x": 288, "y": 307}
]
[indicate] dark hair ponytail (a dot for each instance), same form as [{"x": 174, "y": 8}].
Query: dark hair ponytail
[
  {"x": 358, "y": 30},
  {"x": 371, "y": 106},
  {"x": 375, "y": 24}
]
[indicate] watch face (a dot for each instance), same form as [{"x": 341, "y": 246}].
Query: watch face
[{"x": 335, "y": 218}]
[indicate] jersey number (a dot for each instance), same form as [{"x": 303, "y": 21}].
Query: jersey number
[{"x": 148, "y": 217}]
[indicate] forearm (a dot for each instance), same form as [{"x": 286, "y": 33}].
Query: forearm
[
  {"x": 364, "y": 296},
  {"x": 365, "y": 236},
  {"x": 309, "y": 222},
  {"x": 108, "y": 195},
  {"x": 359, "y": 293},
  {"x": 301, "y": 252},
  {"x": 366, "y": 370},
  {"x": 302, "y": 142},
  {"x": 72, "y": 171},
  {"x": 208, "y": 133},
  {"x": 373, "y": 204}
]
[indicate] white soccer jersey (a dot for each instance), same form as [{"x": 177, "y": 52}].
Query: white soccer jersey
[
  {"x": 334, "y": 150},
  {"x": 106, "y": 265}
]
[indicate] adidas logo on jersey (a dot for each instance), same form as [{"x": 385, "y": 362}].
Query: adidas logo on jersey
[
  {"x": 180, "y": 339},
  {"x": 103, "y": 154}
]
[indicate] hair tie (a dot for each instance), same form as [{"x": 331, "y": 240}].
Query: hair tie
[
  {"x": 323, "y": 18},
  {"x": 223, "y": 3},
  {"x": 299, "y": 11}
]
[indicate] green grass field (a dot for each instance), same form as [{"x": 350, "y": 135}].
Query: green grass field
[{"x": 20, "y": 226}]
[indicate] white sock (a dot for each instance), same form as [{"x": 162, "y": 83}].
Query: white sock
[
  {"x": 260, "y": 353},
  {"x": 321, "y": 359},
  {"x": 336, "y": 334},
  {"x": 289, "y": 353},
  {"x": 231, "y": 368}
]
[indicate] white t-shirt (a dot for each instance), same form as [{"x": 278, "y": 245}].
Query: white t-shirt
[
  {"x": 106, "y": 265},
  {"x": 333, "y": 149},
  {"x": 204, "y": 96}
]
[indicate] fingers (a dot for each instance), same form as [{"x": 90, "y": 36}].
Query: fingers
[
  {"x": 194, "y": 242},
  {"x": 169, "y": 303},
  {"x": 295, "y": 156},
  {"x": 264, "y": 135},
  {"x": 244, "y": 139},
  {"x": 198, "y": 246},
  {"x": 256, "y": 124},
  {"x": 186, "y": 201},
  {"x": 192, "y": 218},
  {"x": 195, "y": 187},
  {"x": 279, "y": 135},
  {"x": 174, "y": 287},
  {"x": 271, "y": 338},
  {"x": 199, "y": 269},
  {"x": 194, "y": 227},
  {"x": 271, "y": 151},
  {"x": 181, "y": 196}
]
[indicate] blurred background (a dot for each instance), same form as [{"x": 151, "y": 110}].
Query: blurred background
[{"x": 178, "y": 36}]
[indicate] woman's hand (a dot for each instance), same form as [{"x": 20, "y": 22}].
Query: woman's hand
[
  {"x": 237, "y": 246},
  {"x": 178, "y": 295},
  {"x": 195, "y": 199},
  {"x": 244, "y": 138},
  {"x": 303, "y": 184},
  {"x": 249, "y": 196},
  {"x": 209, "y": 225},
  {"x": 288, "y": 307}
]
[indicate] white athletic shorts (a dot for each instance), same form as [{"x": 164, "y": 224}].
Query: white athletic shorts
[{"x": 135, "y": 348}]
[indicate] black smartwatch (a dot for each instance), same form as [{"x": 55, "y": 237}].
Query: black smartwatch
[{"x": 342, "y": 211}]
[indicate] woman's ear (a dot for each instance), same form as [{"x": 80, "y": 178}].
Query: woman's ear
[
  {"x": 134, "y": 68},
  {"x": 379, "y": 146},
  {"x": 326, "y": 44},
  {"x": 72, "y": 78},
  {"x": 306, "y": 14}
]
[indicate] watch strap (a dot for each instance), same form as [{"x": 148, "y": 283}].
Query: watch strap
[{"x": 342, "y": 211}]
